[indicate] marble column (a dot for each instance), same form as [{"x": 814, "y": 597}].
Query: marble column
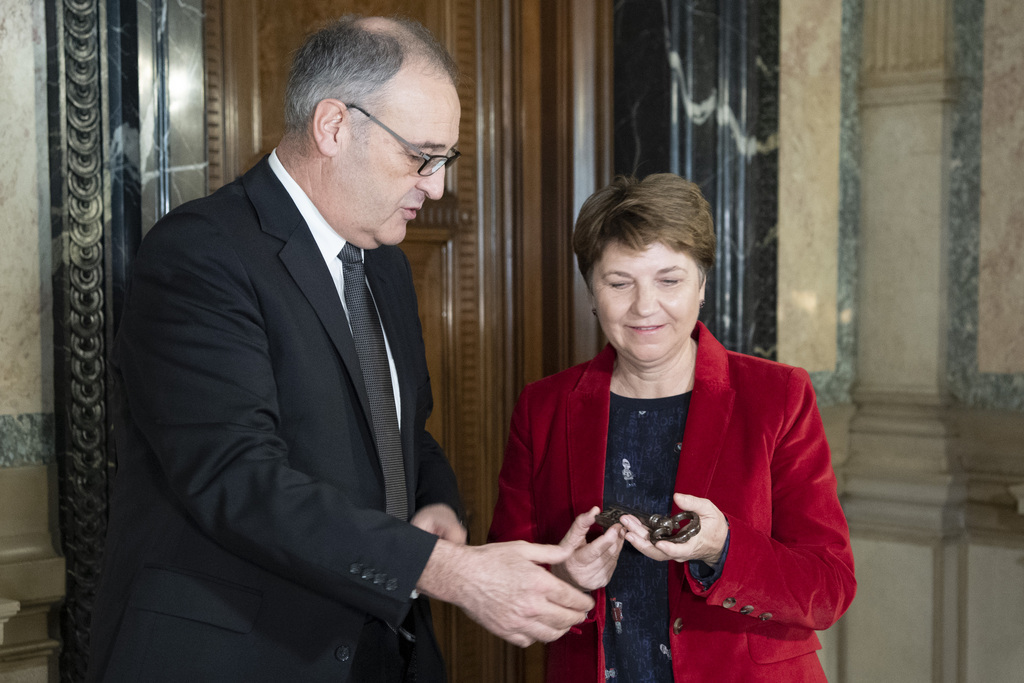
[{"x": 905, "y": 488}]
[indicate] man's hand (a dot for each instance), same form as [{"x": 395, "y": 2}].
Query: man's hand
[
  {"x": 503, "y": 588},
  {"x": 440, "y": 520},
  {"x": 707, "y": 545},
  {"x": 591, "y": 565}
]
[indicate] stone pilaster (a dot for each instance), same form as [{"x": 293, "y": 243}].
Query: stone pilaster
[{"x": 905, "y": 490}]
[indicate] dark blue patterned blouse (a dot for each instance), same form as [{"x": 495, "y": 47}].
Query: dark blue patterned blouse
[{"x": 644, "y": 440}]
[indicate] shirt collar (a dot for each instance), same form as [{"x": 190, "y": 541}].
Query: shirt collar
[{"x": 329, "y": 242}]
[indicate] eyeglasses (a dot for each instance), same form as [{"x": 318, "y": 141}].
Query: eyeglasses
[{"x": 432, "y": 163}]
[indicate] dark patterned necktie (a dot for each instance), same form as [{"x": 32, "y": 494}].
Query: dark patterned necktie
[{"x": 373, "y": 360}]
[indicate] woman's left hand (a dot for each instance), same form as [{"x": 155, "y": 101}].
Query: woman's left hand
[{"x": 707, "y": 545}]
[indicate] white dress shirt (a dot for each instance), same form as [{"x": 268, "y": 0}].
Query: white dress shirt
[{"x": 330, "y": 244}]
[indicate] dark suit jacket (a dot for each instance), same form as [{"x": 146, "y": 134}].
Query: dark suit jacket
[
  {"x": 247, "y": 539},
  {"x": 755, "y": 446}
]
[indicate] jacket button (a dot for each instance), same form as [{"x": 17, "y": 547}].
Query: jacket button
[
  {"x": 677, "y": 625},
  {"x": 355, "y": 568},
  {"x": 342, "y": 653},
  {"x": 764, "y": 616},
  {"x": 728, "y": 603},
  {"x": 747, "y": 610},
  {"x": 391, "y": 585}
]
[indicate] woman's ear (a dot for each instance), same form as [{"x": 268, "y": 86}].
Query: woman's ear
[{"x": 330, "y": 126}]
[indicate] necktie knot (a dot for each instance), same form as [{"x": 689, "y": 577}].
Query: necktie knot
[{"x": 351, "y": 254}]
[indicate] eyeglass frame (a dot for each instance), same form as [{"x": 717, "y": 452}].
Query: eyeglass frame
[{"x": 440, "y": 160}]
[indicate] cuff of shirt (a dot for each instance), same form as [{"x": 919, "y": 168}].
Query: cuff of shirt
[{"x": 705, "y": 573}]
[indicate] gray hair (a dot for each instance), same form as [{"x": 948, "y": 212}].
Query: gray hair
[{"x": 348, "y": 61}]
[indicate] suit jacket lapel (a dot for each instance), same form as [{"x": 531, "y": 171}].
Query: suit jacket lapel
[
  {"x": 708, "y": 418},
  {"x": 301, "y": 257},
  {"x": 587, "y": 432}
]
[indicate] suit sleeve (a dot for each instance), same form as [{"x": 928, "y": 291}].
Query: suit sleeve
[
  {"x": 801, "y": 573},
  {"x": 200, "y": 387}
]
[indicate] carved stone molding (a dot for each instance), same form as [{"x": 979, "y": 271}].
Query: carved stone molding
[
  {"x": 906, "y": 42},
  {"x": 8, "y": 608},
  {"x": 80, "y": 191},
  {"x": 908, "y": 52}
]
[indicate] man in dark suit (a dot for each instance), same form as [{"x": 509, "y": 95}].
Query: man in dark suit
[{"x": 273, "y": 517}]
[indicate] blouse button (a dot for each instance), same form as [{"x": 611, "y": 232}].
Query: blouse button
[
  {"x": 677, "y": 625},
  {"x": 764, "y": 616},
  {"x": 729, "y": 603}
]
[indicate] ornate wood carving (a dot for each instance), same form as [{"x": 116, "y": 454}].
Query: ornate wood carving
[{"x": 80, "y": 189}]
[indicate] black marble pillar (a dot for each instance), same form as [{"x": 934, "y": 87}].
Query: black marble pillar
[{"x": 696, "y": 93}]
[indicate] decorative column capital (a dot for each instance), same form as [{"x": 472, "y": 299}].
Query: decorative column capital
[{"x": 907, "y": 52}]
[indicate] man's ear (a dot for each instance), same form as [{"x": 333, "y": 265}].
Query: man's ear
[{"x": 330, "y": 126}]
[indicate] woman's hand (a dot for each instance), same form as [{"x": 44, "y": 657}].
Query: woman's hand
[
  {"x": 707, "y": 545},
  {"x": 591, "y": 565}
]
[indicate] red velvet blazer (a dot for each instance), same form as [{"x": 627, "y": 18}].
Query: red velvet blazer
[{"x": 755, "y": 446}]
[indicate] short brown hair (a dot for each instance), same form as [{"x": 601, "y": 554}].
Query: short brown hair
[{"x": 637, "y": 213}]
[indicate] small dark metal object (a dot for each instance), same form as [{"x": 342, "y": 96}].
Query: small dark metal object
[{"x": 678, "y": 528}]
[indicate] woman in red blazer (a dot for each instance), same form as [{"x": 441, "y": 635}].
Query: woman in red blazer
[{"x": 664, "y": 418}]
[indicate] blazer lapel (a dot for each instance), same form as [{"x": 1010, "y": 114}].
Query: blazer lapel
[
  {"x": 304, "y": 262},
  {"x": 708, "y": 418},
  {"x": 586, "y": 432}
]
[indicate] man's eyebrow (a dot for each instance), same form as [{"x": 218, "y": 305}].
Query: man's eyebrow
[{"x": 436, "y": 146}]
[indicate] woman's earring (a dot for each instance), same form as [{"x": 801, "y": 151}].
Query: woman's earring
[
  {"x": 594, "y": 311},
  {"x": 702, "y": 303}
]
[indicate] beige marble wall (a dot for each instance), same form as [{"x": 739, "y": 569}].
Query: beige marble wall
[
  {"x": 31, "y": 573},
  {"x": 809, "y": 114},
  {"x": 1001, "y": 256},
  {"x": 23, "y": 308}
]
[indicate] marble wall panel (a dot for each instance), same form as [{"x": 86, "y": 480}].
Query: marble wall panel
[
  {"x": 172, "y": 105},
  {"x": 888, "y": 625},
  {"x": 21, "y": 303},
  {"x": 809, "y": 134},
  {"x": 1001, "y": 251},
  {"x": 970, "y": 384},
  {"x": 901, "y": 326},
  {"x": 995, "y": 612},
  {"x": 26, "y": 356}
]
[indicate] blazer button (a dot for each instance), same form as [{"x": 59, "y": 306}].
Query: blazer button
[
  {"x": 747, "y": 610},
  {"x": 764, "y": 616},
  {"x": 729, "y": 603},
  {"x": 391, "y": 585},
  {"x": 342, "y": 653},
  {"x": 355, "y": 568},
  {"x": 677, "y": 625}
]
